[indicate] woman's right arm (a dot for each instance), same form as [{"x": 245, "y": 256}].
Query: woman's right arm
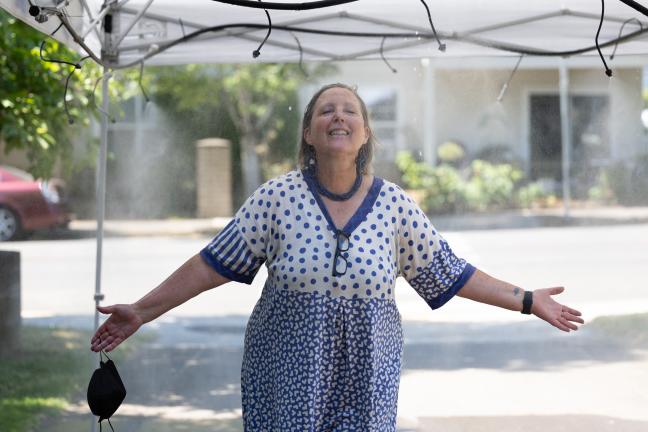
[{"x": 189, "y": 280}]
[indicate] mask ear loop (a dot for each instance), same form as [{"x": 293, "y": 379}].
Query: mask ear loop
[
  {"x": 109, "y": 424},
  {"x": 103, "y": 353}
]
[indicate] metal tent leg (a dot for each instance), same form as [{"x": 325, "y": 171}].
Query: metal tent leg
[{"x": 565, "y": 135}]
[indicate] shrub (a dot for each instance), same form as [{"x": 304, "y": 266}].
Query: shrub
[
  {"x": 492, "y": 186},
  {"x": 619, "y": 179},
  {"x": 445, "y": 189},
  {"x": 602, "y": 192},
  {"x": 639, "y": 181},
  {"x": 535, "y": 194},
  {"x": 442, "y": 186},
  {"x": 451, "y": 153},
  {"x": 628, "y": 181}
]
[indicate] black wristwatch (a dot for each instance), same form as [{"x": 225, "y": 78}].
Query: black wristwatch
[{"x": 527, "y": 302}]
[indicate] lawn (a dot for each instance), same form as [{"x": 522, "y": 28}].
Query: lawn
[{"x": 52, "y": 368}]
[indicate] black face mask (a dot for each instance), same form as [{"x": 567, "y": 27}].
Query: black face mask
[{"x": 106, "y": 390}]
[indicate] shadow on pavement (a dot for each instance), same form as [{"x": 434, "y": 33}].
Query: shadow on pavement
[
  {"x": 188, "y": 379},
  {"x": 526, "y": 346},
  {"x": 62, "y": 234}
]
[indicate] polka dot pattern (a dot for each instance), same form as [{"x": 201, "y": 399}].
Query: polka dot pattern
[
  {"x": 336, "y": 369},
  {"x": 323, "y": 352}
]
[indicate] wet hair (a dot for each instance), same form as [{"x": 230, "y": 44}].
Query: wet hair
[{"x": 307, "y": 151}]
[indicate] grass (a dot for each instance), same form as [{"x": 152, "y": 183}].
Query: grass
[
  {"x": 53, "y": 366},
  {"x": 631, "y": 330}
]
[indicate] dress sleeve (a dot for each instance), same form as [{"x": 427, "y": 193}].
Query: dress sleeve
[
  {"x": 238, "y": 251},
  {"x": 425, "y": 258}
]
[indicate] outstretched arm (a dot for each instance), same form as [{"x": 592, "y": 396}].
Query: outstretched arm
[
  {"x": 486, "y": 289},
  {"x": 189, "y": 280}
]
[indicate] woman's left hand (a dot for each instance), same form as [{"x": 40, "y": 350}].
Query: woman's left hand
[{"x": 556, "y": 314}]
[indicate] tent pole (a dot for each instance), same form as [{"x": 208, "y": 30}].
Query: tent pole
[
  {"x": 101, "y": 192},
  {"x": 565, "y": 136},
  {"x": 101, "y": 198}
]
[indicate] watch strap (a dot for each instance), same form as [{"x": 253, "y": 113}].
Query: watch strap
[{"x": 527, "y": 302}]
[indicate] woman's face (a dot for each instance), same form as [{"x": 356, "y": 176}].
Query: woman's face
[{"x": 337, "y": 127}]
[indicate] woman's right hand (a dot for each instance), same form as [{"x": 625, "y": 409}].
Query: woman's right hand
[{"x": 122, "y": 323}]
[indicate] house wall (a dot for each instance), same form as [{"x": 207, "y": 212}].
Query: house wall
[
  {"x": 467, "y": 110},
  {"x": 465, "y": 107}
]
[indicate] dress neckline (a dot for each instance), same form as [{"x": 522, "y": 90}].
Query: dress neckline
[{"x": 365, "y": 206}]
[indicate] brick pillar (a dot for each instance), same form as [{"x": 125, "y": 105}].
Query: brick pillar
[
  {"x": 9, "y": 302},
  {"x": 213, "y": 178}
]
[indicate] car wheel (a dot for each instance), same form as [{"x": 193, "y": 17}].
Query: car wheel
[{"x": 9, "y": 225}]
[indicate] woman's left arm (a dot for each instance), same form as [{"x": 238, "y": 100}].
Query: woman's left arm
[{"x": 486, "y": 289}]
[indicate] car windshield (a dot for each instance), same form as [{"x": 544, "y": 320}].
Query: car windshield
[{"x": 14, "y": 172}]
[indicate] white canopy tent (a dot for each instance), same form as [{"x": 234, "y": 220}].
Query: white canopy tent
[
  {"x": 213, "y": 32},
  {"x": 126, "y": 33}
]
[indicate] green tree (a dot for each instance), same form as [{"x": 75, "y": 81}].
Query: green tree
[
  {"x": 32, "y": 112},
  {"x": 254, "y": 105}
]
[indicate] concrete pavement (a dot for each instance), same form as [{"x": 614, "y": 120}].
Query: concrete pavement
[
  {"x": 511, "y": 219},
  {"x": 459, "y": 376}
]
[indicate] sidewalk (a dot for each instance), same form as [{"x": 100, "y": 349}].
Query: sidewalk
[{"x": 511, "y": 219}]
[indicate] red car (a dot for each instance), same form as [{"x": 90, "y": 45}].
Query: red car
[{"x": 27, "y": 205}]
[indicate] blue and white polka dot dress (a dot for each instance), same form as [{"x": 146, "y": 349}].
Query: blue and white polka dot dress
[{"x": 323, "y": 352}]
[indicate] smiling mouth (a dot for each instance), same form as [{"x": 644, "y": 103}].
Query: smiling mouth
[{"x": 339, "y": 132}]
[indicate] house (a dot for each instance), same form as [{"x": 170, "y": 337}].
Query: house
[{"x": 430, "y": 101}]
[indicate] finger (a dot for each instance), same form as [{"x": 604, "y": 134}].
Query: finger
[
  {"x": 572, "y": 311},
  {"x": 556, "y": 290},
  {"x": 108, "y": 344},
  {"x": 112, "y": 345},
  {"x": 104, "y": 335},
  {"x": 106, "y": 309},
  {"x": 559, "y": 325},
  {"x": 102, "y": 332},
  {"x": 567, "y": 324},
  {"x": 571, "y": 317},
  {"x": 99, "y": 343}
]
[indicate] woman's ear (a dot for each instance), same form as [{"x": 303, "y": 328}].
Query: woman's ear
[
  {"x": 307, "y": 135},
  {"x": 367, "y": 134}
]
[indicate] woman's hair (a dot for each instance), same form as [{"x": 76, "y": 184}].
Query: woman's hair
[{"x": 307, "y": 151}]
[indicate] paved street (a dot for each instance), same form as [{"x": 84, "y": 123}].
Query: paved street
[
  {"x": 602, "y": 268},
  {"x": 466, "y": 366}
]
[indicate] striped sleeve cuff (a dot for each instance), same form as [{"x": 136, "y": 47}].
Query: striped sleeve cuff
[{"x": 229, "y": 255}]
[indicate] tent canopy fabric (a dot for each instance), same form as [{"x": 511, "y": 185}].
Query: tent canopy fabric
[{"x": 142, "y": 29}]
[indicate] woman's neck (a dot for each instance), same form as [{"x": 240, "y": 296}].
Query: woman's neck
[{"x": 337, "y": 178}]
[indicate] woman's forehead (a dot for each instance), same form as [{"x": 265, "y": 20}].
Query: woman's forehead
[{"x": 337, "y": 95}]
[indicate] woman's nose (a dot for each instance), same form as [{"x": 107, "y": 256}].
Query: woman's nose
[{"x": 337, "y": 116}]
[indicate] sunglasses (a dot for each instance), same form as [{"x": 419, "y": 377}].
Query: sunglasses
[{"x": 340, "y": 261}]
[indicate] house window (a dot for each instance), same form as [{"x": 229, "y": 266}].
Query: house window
[{"x": 383, "y": 109}]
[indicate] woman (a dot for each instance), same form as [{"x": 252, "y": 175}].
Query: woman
[{"x": 324, "y": 342}]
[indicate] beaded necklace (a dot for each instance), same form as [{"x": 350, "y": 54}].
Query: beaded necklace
[{"x": 334, "y": 196}]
